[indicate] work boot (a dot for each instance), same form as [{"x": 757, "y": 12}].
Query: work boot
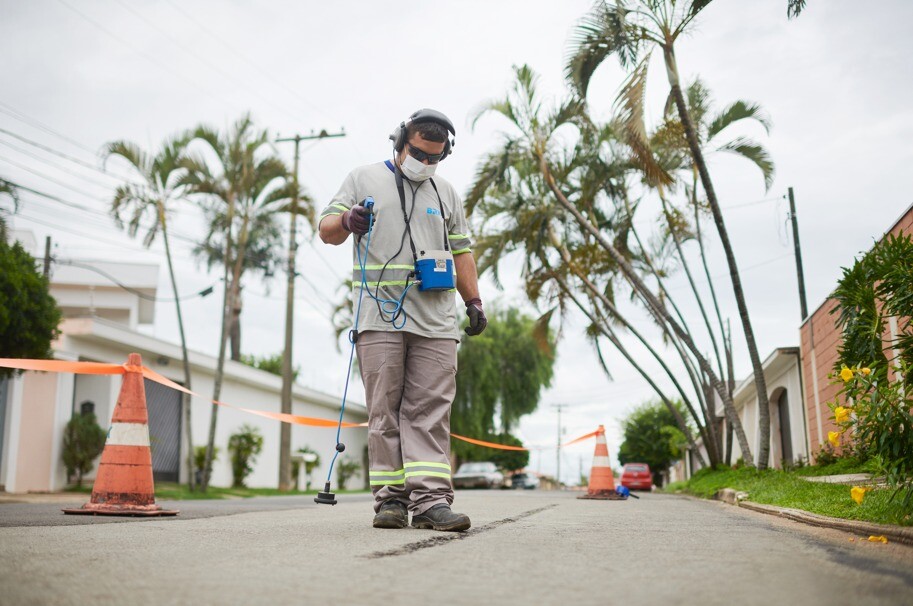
[
  {"x": 441, "y": 517},
  {"x": 392, "y": 514}
]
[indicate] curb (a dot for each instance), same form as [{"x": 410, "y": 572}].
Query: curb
[{"x": 900, "y": 534}]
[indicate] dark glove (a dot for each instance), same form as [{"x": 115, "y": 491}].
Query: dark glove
[
  {"x": 356, "y": 220},
  {"x": 477, "y": 319}
]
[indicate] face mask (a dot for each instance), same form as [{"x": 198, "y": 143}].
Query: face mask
[{"x": 415, "y": 170}]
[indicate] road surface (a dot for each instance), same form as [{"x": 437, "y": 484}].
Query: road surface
[{"x": 530, "y": 547}]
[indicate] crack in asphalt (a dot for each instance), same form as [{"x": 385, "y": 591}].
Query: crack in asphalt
[{"x": 443, "y": 539}]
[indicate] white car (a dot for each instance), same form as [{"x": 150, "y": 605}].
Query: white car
[{"x": 478, "y": 475}]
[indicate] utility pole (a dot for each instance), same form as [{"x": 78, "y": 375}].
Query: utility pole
[
  {"x": 803, "y": 305},
  {"x": 47, "y": 257},
  {"x": 285, "y": 435},
  {"x": 559, "y": 408}
]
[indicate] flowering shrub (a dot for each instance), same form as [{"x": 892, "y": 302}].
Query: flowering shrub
[{"x": 878, "y": 413}]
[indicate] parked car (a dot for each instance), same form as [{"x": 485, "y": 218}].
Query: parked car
[
  {"x": 524, "y": 480},
  {"x": 479, "y": 474},
  {"x": 637, "y": 476}
]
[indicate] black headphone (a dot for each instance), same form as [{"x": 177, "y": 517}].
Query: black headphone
[{"x": 398, "y": 136}]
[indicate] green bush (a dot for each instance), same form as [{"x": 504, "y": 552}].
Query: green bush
[
  {"x": 83, "y": 440},
  {"x": 244, "y": 447},
  {"x": 199, "y": 459},
  {"x": 878, "y": 412},
  {"x": 345, "y": 469},
  {"x": 28, "y": 313}
]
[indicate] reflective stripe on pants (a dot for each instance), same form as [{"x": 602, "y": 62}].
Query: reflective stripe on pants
[{"x": 410, "y": 382}]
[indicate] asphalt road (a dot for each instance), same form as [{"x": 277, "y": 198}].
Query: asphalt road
[{"x": 524, "y": 548}]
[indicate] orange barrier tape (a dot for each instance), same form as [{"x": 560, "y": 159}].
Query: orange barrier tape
[
  {"x": 82, "y": 368},
  {"x": 581, "y": 438},
  {"x": 488, "y": 444},
  {"x": 98, "y": 368}
]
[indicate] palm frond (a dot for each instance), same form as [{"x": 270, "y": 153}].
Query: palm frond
[
  {"x": 738, "y": 110},
  {"x": 630, "y": 111},
  {"x": 794, "y": 8},
  {"x": 754, "y": 152},
  {"x": 602, "y": 32}
]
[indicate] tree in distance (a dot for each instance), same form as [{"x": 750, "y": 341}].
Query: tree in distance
[
  {"x": 502, "y": 373},
  {"x": 652, "y": 436},
  {"x": 28, "y": 313}
]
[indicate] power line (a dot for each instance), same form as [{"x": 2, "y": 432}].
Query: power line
[
  {"x": 34, "y": 156},
  {"x": 171, "y": 232},
  {"x": 65, "y": 156},
  {"x": 47, "y": 178},
  {"x": 168, "y": 70},
  {"x": 203, "y": 60},
  {"x": 259, "y": 68},
  {"x": 22, "y": 117},
  {"x": 203, "y": 293}
]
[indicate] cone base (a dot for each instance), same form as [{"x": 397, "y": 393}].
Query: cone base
[
  {"x": 603, "y": 496},
  {"x": 93, "y": 509}
]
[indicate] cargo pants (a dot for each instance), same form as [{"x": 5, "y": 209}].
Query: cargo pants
[{"x": 410, "y": 383}]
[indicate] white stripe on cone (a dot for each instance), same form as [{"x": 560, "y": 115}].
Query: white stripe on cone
[
  {"x": 128, "y": 434},
  {"x": 601, "y": 462}
]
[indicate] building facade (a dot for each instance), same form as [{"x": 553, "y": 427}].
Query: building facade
[
  {"x": 101, "y": 325},
  {"x": 820, "y": 340}
]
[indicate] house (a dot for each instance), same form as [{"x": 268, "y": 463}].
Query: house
[
  {"x": 788, "y": 435},
  {"x": 104, "y": 304},
  {"x": 820, "y": 342}
]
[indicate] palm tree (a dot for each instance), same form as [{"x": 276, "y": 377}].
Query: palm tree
[
  {"x": 160, "y": 188},
  {"x": 10, "y": 190},
  {"x": 515, "y": 188},
  {"x": 631, "y": 31},
  {"x": 241, "y": 190}
]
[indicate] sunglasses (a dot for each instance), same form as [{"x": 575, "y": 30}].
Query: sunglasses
[{"x": 421, "y": 156}]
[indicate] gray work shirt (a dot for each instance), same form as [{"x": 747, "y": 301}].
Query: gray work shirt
[{"x": 430, "y": 313}]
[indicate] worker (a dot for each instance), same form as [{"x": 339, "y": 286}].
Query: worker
[{"x": 417, "y": 252}]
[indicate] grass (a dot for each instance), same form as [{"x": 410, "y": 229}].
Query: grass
[
  {"x": 788, "y": 489},
  {"x": 180, "y": 492}
]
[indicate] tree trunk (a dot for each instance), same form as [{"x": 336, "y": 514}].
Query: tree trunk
[
  {"x": 606, "y": 330},
  {"x": 227, "y": 305},
  {"x": 185, "y": 398},
  {"x": 566, "y": 256},
  {"x": 727, "y": 347},
  {"x": 697, "y": 154},
  {"x": 235, "y": 332},
  {"x": 653, "y": 303},
  {"x": 697, "y": 295}
]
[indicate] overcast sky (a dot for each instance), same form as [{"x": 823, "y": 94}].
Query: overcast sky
[{"x": 836, "y": 82}]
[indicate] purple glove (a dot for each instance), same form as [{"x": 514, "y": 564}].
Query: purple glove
[
  {"x": 477, "y": 319},
  {"x": 356, "y": 220}
]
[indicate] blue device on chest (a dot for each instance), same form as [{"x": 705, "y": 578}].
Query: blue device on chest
[{"x": 434, "y": 270}]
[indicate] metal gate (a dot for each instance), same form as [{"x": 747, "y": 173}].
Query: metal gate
[{"x": 164, "y": 405}]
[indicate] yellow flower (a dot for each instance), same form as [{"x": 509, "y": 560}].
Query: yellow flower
[
  {"x": 834, "y": 438},
  {"x": 866, "y": 371},
  {"x": 858, "y": 493},
  {"x": 842, "y": 414},
  {"x": 878, "y": 539},
  {"x": 846, "y": 374}
]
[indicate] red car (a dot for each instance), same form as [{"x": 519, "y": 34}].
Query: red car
[{"x": 637, "y": 476}]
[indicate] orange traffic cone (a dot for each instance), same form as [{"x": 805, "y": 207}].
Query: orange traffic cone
[
  {"x": 123, "y": 485},
  {"x": 602, "y": 482}
]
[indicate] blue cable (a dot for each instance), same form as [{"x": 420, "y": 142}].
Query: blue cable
[{"x": 397, "y": 306}]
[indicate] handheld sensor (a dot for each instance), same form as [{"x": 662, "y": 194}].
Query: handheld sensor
[{"x": 326, "y": 497}]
